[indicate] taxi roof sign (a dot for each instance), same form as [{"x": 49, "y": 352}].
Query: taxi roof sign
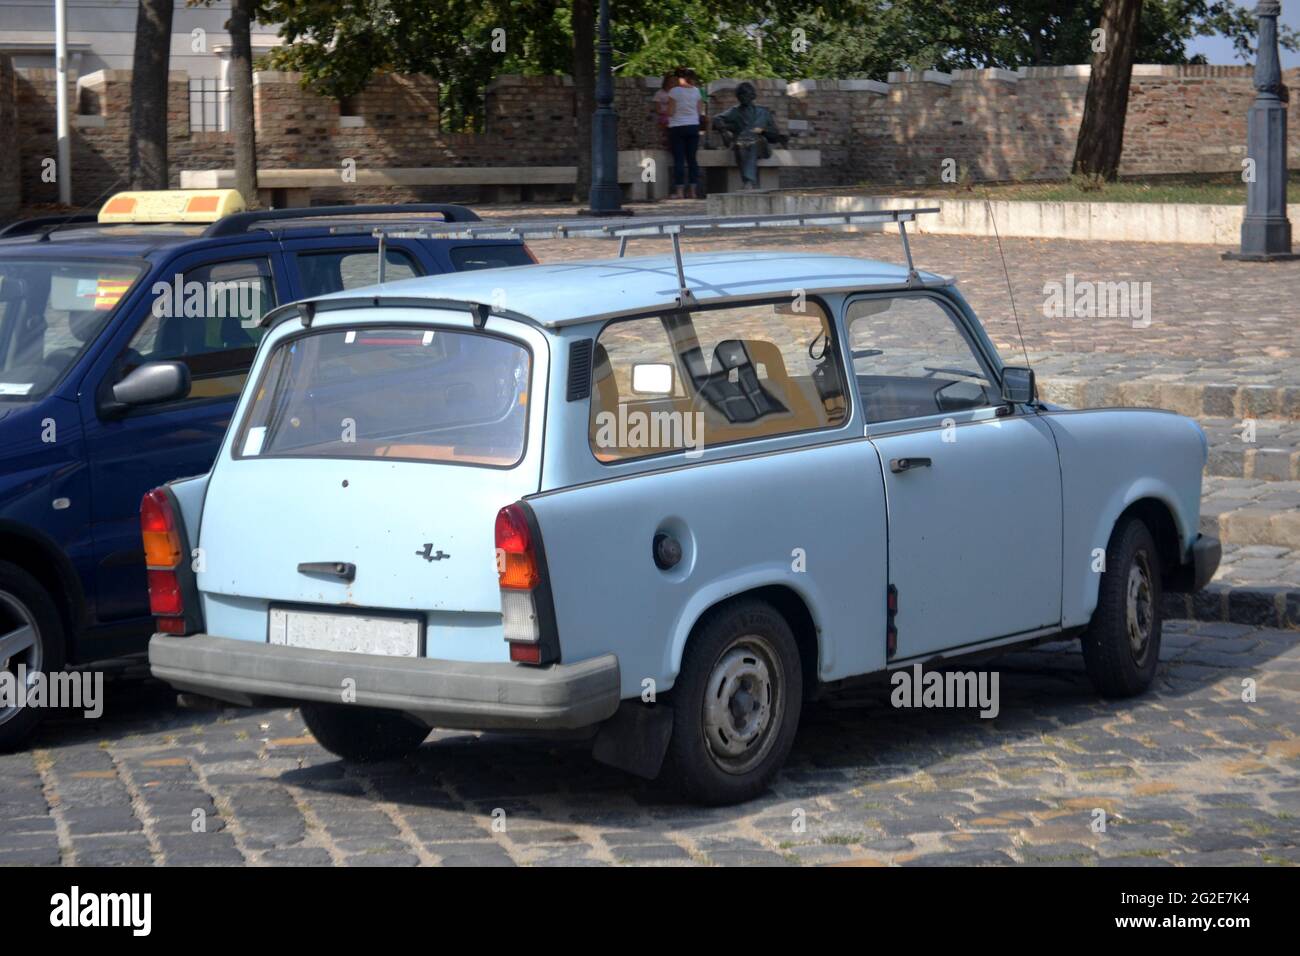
[{"x": 172, "y": 205}]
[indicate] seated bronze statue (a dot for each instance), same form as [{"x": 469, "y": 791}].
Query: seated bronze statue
[{"x": 748, "y": 130}]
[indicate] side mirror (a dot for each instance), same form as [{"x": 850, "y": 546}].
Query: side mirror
[
  {"x": 1018, "y": 386},
  {"x": 652, "y": 378},
  {"x": 151, "y": 383}
]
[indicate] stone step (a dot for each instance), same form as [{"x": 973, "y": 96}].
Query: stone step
[
  {"x": 1250, "y": 511},
  {"x": 1255, "y": 605},
  {"x": 1273, "y": 455},
  {"x": 1266, "y": 386}
]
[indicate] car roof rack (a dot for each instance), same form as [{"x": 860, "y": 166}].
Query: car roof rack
[
  {"x": 25, "y": 227},
  {"x": 242, "y": 222},
  {"x": 624, "y": 228}
]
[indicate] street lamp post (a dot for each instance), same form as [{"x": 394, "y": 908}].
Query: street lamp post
[
  {"x": 63, "y": 141},
  {"x": 1266, "y": 230},
  {"x": 605, "y": 198}
]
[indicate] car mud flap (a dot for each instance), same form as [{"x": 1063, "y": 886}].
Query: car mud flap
[{"x": 635, "y": 739}]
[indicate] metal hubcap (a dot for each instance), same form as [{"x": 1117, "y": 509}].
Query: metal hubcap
[
  {"x": 19, "y": 643},
  {"x": 743, "y": 704},
  {"x": 1139, "y": 612}
]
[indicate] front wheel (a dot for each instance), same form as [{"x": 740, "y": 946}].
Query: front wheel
[
  {"x": 735, "y": 704},
  {"x": 1122, "y": 644},
  {"x": 363, "y": 734},
  {"x": 31, "y": 642}
]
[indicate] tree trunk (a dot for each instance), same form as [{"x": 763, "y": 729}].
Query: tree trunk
[
  {"x": 147, "y": 139},
  {"x": 584, "y": 89},
  {"x": 241, "y": 100},
  {"x": 1101, "y": 135}
]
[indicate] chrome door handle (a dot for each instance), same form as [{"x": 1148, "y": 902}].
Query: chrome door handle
[{"x": 899, "y": 465}]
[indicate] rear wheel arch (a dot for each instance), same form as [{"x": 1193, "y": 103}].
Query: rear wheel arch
[
  {"x": 40, "y": 557},
  {"x": 791, "y": 605}
]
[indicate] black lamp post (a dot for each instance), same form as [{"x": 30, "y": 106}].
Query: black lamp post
[
  {"x": 1266, "y": 230},
  {"x": 606, "y": 198}
]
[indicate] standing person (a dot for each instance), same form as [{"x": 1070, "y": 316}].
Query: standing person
[
  {"x": 661, "y": 108},
  {"x": 685, "y": 115}
]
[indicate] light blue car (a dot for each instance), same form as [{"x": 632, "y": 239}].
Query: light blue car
[{"x": 577, "y": 495}]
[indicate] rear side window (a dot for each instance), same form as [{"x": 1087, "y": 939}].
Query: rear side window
[
  {"x": 323, "y": 272},
  {"x": 468, "y": 258},
  {"x": 407, "y": 393},
  {"x": 683, "y": 381}
]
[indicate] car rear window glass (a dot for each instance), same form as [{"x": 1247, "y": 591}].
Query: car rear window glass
[
  {"x": 683, "y": 381},
  {"x": 469, "y": 258},
  {"x": 398, "y": 392}
]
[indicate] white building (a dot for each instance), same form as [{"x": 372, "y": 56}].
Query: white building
[{"x": 101, "y": 36}]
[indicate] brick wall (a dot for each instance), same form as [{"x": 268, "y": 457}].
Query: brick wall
[
  {"x": 996, "y": 124},
  {"x": 10, "y": 174}
]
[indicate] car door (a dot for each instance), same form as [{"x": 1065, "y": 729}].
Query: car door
[
  {"x": 972, "y": 486},
  {"x": 202, "y": 311}
]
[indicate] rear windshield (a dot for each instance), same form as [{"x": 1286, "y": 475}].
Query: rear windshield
[
  {"x": 496, "y": 256},
  {"x": 399, "y": 392}
]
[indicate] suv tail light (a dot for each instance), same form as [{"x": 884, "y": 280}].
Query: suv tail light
[
  {"x": 166, "y": 557},
  {"x": 527, "y": 615}
]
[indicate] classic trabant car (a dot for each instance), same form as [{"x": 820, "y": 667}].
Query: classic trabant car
[{"x": 667, "y": 499}]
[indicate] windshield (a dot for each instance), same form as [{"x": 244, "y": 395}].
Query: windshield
[
  {"x": 49, "y": 312},
  {"x": 392, "y": 392}
]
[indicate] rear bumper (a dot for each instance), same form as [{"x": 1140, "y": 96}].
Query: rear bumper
[
  {"x": 444, "y": 693},
  {"x": 1202, "y": 561}
]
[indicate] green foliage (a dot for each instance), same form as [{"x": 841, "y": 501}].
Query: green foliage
[{"x": 339, "y": 44}]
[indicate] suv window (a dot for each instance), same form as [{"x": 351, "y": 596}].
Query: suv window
[
  {"x": 468, "y": 258},
  {"x": 324, "y": 272},
  {"x": 685, "y": 380},
  {"x": 911, "y": 359},
  {"x": 208, "y": 321}
]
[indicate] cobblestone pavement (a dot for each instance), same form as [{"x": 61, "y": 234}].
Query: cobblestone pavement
[{"x": 1188, "y": 774}]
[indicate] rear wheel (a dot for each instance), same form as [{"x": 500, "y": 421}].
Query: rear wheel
[
  {"x": 31, "y": 641},
  {"x": 1121, "y": 647},
  {"x": 735, "y": 704},
  {"x": 363, "y": 734}
]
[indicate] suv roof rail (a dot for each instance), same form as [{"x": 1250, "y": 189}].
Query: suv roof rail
[
  {"x": 25, "y": 227},
  {"x": 242, "y": 222}
]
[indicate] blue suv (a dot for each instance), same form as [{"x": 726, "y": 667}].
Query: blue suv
[{"x": 123, "y": 350}]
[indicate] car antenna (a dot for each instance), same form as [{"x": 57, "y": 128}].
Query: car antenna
[
  {"x": 45, "y": 236},
  {"x": 988, "y": 205}
]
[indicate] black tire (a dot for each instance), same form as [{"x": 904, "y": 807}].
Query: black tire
[
  {"x": 749, "y": 634},
  {"x": 24, "y": 601},
  {"x": 1116, "y": 664},
  {"x": 363, "y": 734}
]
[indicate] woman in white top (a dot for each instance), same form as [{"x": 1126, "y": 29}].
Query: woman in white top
[{"x": 686, "y": 112}]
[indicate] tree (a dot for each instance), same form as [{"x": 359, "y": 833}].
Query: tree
[
  {"x": 242, "y": 120},
  {"x": 147, "y": 138},
  {"x": 1101, "y": 134}
]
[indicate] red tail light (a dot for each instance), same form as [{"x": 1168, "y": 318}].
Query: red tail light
[
  {"x": 523, "y": 593},
  {"x": 164, "y": 554}
]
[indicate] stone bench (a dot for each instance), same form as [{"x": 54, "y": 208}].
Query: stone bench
[
  {"x": 717, "y": 165},
  {"x": 642, "y": 181},
  {"x": 291, "y": 188}
]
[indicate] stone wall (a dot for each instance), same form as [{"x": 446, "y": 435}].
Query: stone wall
[{"x": 995, "y": 125}]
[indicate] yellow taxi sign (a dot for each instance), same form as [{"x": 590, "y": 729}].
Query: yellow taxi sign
[{"x": 172, "y": 205}]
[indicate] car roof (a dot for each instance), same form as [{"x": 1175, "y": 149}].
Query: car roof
[{"x": 565, "y": 293}]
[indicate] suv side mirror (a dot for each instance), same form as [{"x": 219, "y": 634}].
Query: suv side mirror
[
  {"x": 151, "y": 383},
  {"x": 1018, "y": 386}
]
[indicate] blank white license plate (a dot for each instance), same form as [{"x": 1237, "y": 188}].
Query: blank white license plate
[{"x": 352, "y": 633}]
